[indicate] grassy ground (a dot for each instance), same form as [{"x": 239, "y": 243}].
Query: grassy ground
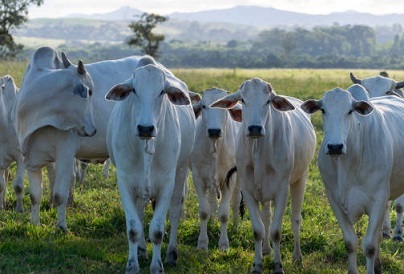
[{"x": 96, "y": 242}]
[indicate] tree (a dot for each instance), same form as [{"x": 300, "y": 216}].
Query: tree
[
  {"x": 13, "y": 13},
  {"x": 143, "y": 36}
]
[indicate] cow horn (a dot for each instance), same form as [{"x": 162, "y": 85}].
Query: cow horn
[
  {"x": 399, "y": 84},
  {"x": 66, "y": 61},
  {"x": 354, "y": 79},
  {"x": 80, "y": 68}
]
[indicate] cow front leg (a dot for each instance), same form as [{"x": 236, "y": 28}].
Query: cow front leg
[
  {"x": 35, "y": 185},
  {"x": 297, "y": 193},
  {"x": 276, "y": 228}
]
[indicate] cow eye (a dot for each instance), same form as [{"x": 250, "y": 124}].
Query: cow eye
[
  {"x": 322, "y": 110},
  {"x": 350, "y": 112},
  {"x": 242, "y": 101},
  {"x": 203, "y": 106},
  {"x": 162, "y": 92},
  {"x": 90, "y": 92},
  {"x": 268, "y": 102},
  {"x": 134, "y": 91}
]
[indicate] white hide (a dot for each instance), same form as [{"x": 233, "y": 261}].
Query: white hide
[
  {"x": 9, "y": 148},
  {"x": 213, "y": 155},
  {"x": 275, "y": 147},
  {"x": 360, "y": 161},
  {"x": 149, "y": 141}
]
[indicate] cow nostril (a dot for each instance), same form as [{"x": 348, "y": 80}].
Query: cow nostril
[
  {"x": 145, "y": 131},
  {"x": 335, "y": 149},
  {"x": 255, "y": 131},
  {"x": 215, "y": 132}
]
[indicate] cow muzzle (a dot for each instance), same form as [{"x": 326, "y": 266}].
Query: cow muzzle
[
  {"x": 255, "y": 131},
  {"x": 146, "y": 132},
  {"x": 335, "y": 149},
  {"x": 215, "y": 133}
]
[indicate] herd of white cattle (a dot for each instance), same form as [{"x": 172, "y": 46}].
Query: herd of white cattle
[{"x": 252, "y": 144}]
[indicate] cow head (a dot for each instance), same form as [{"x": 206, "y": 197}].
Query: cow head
[
  {"x": 337, "y": 107},
  {"x": 379, "y": 85},
  {"x": 215, "y": 119},
  {"x": 257, "y": 98},
  {"x": 80, "y": 108},
  {"x": 148, "y": 91}
]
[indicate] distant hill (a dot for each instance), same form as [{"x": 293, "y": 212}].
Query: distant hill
[
  {"x": 264, "y": 17},
  {"x": 122, "y": 14}
]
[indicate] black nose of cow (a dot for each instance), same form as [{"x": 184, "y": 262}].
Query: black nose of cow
[
  {"x": 215, "y": 133},
  {"x": 335, "y": 149},
  {"x": 145, "y": 131},
  {"x": 255, "y": 131}
]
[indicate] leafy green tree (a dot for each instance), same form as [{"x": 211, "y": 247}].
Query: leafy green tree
[
  {"x": 13, "y": 13},
  {"x": 143, "y": 35}
]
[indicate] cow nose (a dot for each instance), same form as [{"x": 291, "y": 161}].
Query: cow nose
[
  {"x": 255, "y": 131},
  {"x": 335, "y": 149},
  {"x": 145, "y": 131},
  {"x": 215, "y": 133}
]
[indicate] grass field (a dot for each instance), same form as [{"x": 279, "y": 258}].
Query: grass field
[{"x": 96, "y": 242}]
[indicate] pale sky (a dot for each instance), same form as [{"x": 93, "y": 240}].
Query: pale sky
[{"x": 60, "y": 8}]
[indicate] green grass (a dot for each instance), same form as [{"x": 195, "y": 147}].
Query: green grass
[{"x": 96, "y": 242}]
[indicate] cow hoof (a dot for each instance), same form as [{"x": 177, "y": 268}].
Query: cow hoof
[
  {"x": 257, "y": 268},
  {"x": 278, "y": 269},
  {"x": 386, "y": 236},
  {"x": 203, "y": 245},
  {"x": 398, "y": 239},
  {"x": 171, "y": 258},
  {"x": 62, "y": 228},
  {"x": 132, "y": 267},
  {"x": 157, "y": 268}
]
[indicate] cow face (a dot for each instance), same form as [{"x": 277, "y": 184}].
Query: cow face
[
  {"x": 337, "y": 107},
  {"x": 148, "y": 89},
  {"x": 79, "y": 105},
  {"x": 379, "y": 86},
  {"x": 256, "y": 97},
  {"x": 214, "y": 119}
]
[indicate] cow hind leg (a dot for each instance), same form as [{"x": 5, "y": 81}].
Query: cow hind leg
[
  {"x": 18, "y": 185},
  {"x": 297, "y": 193},
  {"x": 3, "y": 188},
  {"x": 223, "y": 215},
  {"x": 398, "y": 228}
]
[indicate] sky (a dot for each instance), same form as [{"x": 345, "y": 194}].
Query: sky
[{"x": 60, "y": 8}]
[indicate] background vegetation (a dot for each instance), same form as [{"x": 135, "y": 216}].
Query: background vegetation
[{"x": 96, "y": 242}]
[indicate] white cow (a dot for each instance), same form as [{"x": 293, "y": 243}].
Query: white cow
[
  {"x": 47, "y": 124},
  {"x": 275, "y": 147},
  {"x": 53, "y": 108},
  {"x": 9, "y": 148},
  {"x": 149, "y": 141},
  {"x": 381, "y": 86},
  {"x": 360, "y": 161},
  {"x": 213, "y": 155}
]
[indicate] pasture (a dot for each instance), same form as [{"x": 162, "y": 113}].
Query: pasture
[{"x": 97, "y": 243}]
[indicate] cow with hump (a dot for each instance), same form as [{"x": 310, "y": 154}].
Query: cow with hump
[
  {"x": 213, "y": 156},
  {"x": 274, "y": 149},
  {"x": 59, "y": 107},
  {"x": 360, "y": 161},
  {"x": 150, "y": 137}
]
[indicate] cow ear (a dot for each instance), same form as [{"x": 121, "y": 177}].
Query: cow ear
[
  {"x": 119, "y": 92},
  {"x": 195, "y": 97},
  {"x": 362, "y": 107},
  {"x": 197, "y": 109},
  {"x": 236, "y": 113},
  {"x": 177, "y": 96},
  {"x": 311, "y": 106},
  {"x": 227, "y": 102},
  {"x": 281, "y": 103}
]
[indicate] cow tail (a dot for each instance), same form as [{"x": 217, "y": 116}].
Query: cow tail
[{"x": 242, "y": 206}]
